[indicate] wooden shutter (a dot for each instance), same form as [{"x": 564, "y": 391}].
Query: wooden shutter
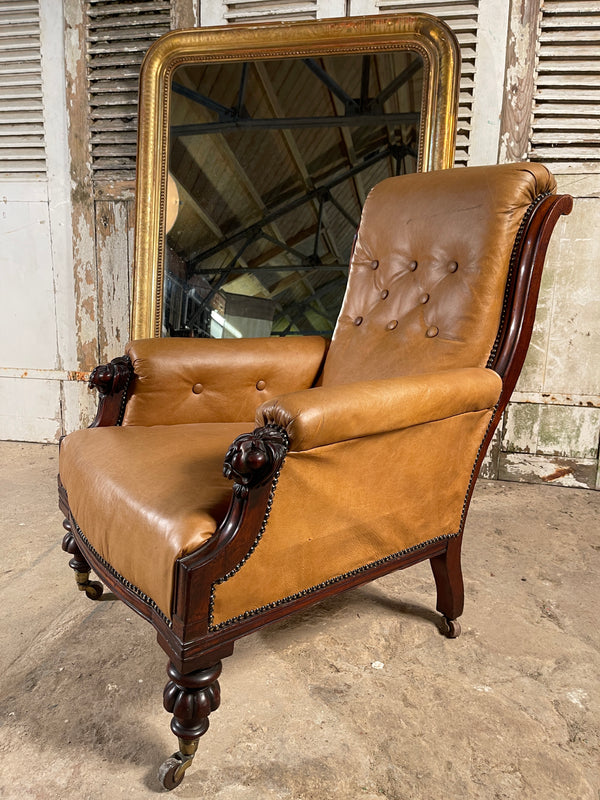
[
  {"x": 267, "y": 10},
  {"x": 118, "y": 34},
  {"x": 462, "y": 17},
  {"x": 22, "y": 153},
  {"x": 566, "y": 114}
]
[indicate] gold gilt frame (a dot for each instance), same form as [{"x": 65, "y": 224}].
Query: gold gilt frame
[{"x": 427, "y": 35}]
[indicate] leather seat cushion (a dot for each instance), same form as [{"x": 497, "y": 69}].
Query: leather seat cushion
[{"x": 145, "y": 496}]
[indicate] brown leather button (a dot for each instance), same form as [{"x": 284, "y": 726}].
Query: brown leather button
[
  {"x": 391, "y": 325},
  {"x": 384, "y": 294},
  {"x": 197, "y": 388},
  {"x": 412, "y": 266},
  {"x": 424, "y": 298},
  {"x": 452, "y": 266},
  {"x": 374, "y": 264},
  {"x": 260, "y": 385},
  {"x": 431, "y": 332},
  {"x": 358, "y": 321}
]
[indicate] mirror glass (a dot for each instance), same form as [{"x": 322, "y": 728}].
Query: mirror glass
[
  {"x": 257, "y": 146},
  {"x": 269, "y": 164}
]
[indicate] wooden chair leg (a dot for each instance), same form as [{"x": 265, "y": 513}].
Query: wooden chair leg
[
  {"x": 190, "y": 698},
  {"x": 449, "y": 584},
  {"x": 93, "y": 589}
]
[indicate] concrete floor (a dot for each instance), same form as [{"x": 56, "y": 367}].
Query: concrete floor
[{"x": 360, "y": 698}]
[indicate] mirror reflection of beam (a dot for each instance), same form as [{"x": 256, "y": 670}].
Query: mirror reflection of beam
[
  {"x": 200, "y": 256},
  {"x": 267, "y": 123},
  {"x": 295, "y": 155},
  {"x": 365, "y": 111},
  {"x": 185, "y": 175},
  {"x": 297, "y": 310}
]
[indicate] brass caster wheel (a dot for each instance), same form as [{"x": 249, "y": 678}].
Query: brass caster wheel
[
  {"x": 94, "y": 590},
  {"x": 452, "y": 628},
  {"x": 172, "y": 771}
]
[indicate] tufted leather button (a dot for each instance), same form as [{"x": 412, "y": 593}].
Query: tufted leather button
[
  {"x": 412, "y": 266},
  {"x": 384, "y": 294},
  {"x": 391, "y": 325},
  {"x": 431, "y": 332},
  {"x": 424, "y": 298},
  {"x": 452, "y": 266},
  {"x": 374, "y": 264},
  {"x": 260, "y": 385},
  {"x": 197, "y": 388},
  {"x": 358, "y": 321}
]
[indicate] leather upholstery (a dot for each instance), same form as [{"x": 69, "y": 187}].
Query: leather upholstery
[
  {"x": 342, "y": 506},
  {"x": 191, "y": 380},
  {"x": 325, "y": 415},
  {"x": 429, "y": 269},
  {"x": 145, "y": 496}
]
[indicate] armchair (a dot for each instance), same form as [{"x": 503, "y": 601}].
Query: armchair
[{"x": 349, "y": 460}]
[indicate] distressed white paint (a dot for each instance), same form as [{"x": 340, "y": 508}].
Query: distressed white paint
[
  {"x": 27, "y": 322},
  {"x": 488, "y": 90},
  {"x": 37, "y": 313},
  {"x": 30, "y": 410},
  {"x": 553, "y": 430},
  {"x": 59, "y": 189},
  {"x": 588, "y": 400},
  {"x": 572, "y": 360},
  {"x": 542, "y": 469}
]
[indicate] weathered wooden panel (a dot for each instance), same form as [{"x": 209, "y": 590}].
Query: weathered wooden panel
[
  {"x": 515, "y": 120},
  {"x": 118, "y": 36},
  {"x": 113, "y": 259},
  {"x": 566, "y": 111},
  {"x": 22, "y": 150}
]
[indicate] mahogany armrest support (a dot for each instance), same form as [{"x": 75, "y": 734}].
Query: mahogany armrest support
[
  {"x": 113, "y": 382},
  {"x": 324, "y": 415}
]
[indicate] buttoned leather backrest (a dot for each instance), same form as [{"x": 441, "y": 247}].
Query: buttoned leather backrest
[{"x": 429, "y": 269}]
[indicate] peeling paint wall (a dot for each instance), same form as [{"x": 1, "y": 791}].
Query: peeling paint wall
[
  {"x": 551, "y": 428},
  {"x": 39, "y": 381}
]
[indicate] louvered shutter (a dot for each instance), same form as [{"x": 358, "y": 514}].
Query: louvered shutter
[
  {"x": 119, "y": 32},
  {"x": 566, "y": 115},
  {"x": 22, "y": 153},
  {"x": 462, "y": 17},
  {"x": 267, "y": 10}
]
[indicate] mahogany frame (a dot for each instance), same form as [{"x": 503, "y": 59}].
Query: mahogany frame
[{"x": 194, "y": 647}]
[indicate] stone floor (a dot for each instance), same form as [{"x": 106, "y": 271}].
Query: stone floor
[{"x": 359, "y": 698}]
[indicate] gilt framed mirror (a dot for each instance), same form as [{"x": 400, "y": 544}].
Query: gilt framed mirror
[{"x": 257, "y": 146}]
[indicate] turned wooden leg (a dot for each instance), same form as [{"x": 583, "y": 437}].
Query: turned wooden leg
[
  {"x": 190, "y": 698},
  {"x": 93, "y": 589},
  {"x": 449, "y": 584}
]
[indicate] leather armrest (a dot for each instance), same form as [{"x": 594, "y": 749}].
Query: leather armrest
[
  {"x": 328, "y": 414},
  {"x": 181, "y": 381}
]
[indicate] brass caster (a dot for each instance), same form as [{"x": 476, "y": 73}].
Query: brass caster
[
  {"x": 172, "y": 771},
  {"x": 452, "y": 628},
  {"x": 92, "y": 589}
]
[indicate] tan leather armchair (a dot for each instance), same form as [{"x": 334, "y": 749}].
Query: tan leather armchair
[{"x": 348, "y": 460}]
